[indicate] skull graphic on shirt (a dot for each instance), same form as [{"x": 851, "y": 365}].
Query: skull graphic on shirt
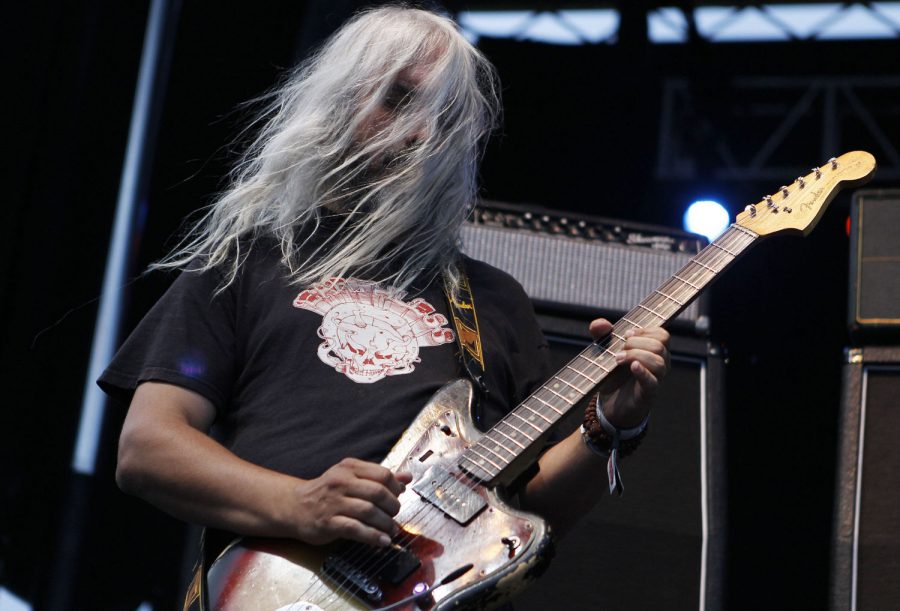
[{"x": 369, "y": 332}]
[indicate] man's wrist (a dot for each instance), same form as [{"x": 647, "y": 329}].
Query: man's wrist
[{"x": 624, "y": 433}]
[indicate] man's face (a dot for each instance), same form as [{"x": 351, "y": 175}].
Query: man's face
[{"x": 400, "y": 94}]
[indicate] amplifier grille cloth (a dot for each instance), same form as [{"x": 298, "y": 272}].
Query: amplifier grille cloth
[{"x": 606, "y": 276}]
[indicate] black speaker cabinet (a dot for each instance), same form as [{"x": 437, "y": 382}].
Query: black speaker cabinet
[
  {"x": 874, "y": 307},
  {"x": 660, "y": 545},
  {"x": 866, "y": 537}
]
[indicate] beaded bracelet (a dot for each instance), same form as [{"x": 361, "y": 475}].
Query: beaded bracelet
[{"x": 601, "y": 438}]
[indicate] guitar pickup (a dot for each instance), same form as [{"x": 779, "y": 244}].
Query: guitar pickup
[
  {"x": 452, "y": 496},
  {"x": 361, "y": 572},
  {"x": 348, "y": 575}
]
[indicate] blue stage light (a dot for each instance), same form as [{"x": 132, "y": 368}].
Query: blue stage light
[{"x": 707, "y": 217}]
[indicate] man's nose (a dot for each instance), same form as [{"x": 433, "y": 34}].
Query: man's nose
[{"x": 417, "y": 135}]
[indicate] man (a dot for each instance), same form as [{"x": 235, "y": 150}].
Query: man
[{"x": 310, "y": 325}]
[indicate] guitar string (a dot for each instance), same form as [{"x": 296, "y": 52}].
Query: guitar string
[{"x": 721, "y": 253}]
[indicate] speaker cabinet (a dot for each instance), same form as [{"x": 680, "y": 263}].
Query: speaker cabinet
[
  {"x": 660, "y": 545},
  {"x": 866, "y": 538},
  {"x": 874, "y": 308}
]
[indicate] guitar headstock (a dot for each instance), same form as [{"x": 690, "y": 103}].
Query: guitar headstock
[{"x": 800, "y": 205}]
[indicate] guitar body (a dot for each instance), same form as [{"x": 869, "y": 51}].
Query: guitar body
[{"x": 505, "y": 548}]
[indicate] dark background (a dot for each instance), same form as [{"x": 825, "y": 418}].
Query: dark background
[{"x": 581, "y": 132}]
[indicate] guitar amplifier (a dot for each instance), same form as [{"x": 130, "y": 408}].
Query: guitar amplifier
[
  {"x": 865, "y": 551},
  {"x": 874, "y": 307},
  {"x": 673, "y": 514},
  {"x": 583, "y": 263}
]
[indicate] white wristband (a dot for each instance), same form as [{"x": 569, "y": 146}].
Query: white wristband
[{"x": 624, "y": 434}]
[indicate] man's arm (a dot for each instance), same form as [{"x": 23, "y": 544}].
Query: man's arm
[
  {"x": 572, "y": 478},
  {"x": 167, "y": 458}
]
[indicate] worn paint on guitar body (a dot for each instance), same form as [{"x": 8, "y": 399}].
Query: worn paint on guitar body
[{"x": 268, "y": 574}]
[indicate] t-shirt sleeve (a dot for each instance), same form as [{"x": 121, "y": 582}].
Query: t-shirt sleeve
[{"x": 187, "y": 339}]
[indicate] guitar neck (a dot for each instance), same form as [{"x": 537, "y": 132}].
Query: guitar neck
[{"x": 514, "y": 442}]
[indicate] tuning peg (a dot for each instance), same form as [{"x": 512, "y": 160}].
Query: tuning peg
[
  {"x": 751, "y": 209},
  {"x": 801, "y": 182},
  {"x": 769, "y": 202},
  {"x": 784, "y": 190},
  {"x": 833, "y": 162},
  {"x": 818, "y": 173}
]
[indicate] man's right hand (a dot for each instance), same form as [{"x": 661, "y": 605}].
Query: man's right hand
[{"x": 352, "y": 500}]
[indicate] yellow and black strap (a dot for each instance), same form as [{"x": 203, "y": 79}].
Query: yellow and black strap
[{"x": 468, "y": 335}]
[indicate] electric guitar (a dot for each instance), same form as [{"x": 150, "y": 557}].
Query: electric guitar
[{"x": 460, "y": 545}]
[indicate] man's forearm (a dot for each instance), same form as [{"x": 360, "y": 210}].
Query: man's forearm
[
  {"x": 189, "y": 475},
  {"x": 572, "y": 479}
]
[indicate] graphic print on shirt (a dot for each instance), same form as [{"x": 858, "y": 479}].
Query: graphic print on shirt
[{"x": 370, "y": 333}]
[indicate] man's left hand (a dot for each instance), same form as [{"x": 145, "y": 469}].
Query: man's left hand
[{"x": 643, "y": 361}]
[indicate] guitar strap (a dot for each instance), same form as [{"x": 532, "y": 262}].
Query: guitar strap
[
  {"x": 471, "y": 356},
  {"x": 195, "y": 599},
  {"x": 468, "y": 336}
]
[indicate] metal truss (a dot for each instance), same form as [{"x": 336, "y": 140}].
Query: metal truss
[{"x": 751, "y": 122}]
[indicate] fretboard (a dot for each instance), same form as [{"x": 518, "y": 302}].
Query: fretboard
[{"x": 525, "y": 428}]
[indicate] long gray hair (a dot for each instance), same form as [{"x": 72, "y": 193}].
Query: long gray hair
[{"x": 396, "y": 195}]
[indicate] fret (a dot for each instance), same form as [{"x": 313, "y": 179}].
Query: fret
[
  {"x": 591, "y": 361},
  {"x": 526, "y": 421},
  {"x": 567, "y": 383},
  {"x": 586, "y": 377},
  {"x": 534, "y": 396},
  {"x": 515, "y": 428},
  {"x": 497, "y": 428},
  {"x": 628, "y": 320},
  {"x": 652, "y": 311},
  {"x": 698, "y": 262},
  {"x": 488, "y": 474},
  {"x": 693, "y": 286},
  {"x": 669, "y": 297},
  {"x": 563, "y": 397},
  {"x": 482, "y": 458},
  {"x": 723, "y": 249},
  {"x": 482, "y": 444},
  {"x": 616, "y": 335},
  {"x": 610, "y": 353}
]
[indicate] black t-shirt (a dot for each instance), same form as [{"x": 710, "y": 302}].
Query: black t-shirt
[{"x": 303, "y": 377}]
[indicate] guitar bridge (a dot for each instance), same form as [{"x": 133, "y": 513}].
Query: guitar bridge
[{"x": 446, "y": 492}]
